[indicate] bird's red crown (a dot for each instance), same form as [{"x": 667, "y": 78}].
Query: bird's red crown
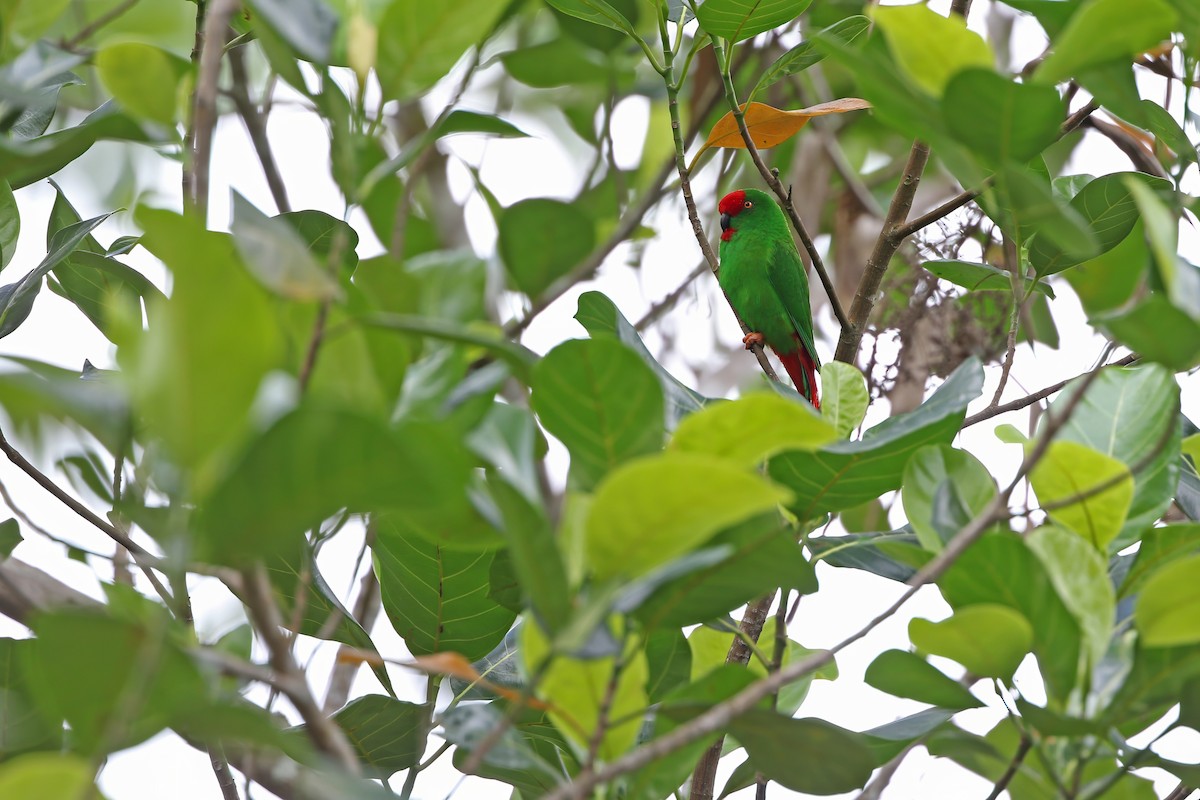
[{"x": 732, "y": 203}]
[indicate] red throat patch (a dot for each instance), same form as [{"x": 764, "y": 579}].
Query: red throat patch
[
  {"x": 727, "y": 234},
  {"x": 732, "y": 203}
]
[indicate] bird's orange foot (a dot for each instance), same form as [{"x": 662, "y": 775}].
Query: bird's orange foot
[{"x": 751, "y": 339}]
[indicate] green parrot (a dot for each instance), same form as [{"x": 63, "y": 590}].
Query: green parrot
[{"x": 763, "y": 277}]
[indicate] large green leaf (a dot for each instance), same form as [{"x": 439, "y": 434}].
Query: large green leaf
[
  {"x": 277, "y": 490},
  {"x": 805, "y": 755},
  {"x": 1080, "y": 576},
  {"x": 1000, "y": 120},
  {"x": 598, "y": 12},
  {"x": 845, "y": 474},
  {"x": 1158, "y": 330},
  {"x": 1159, "y": 547},
  {"x": 143, "y": 79},
  {"x": 844, "y": 397},
  {"x": 937, "y": 468},
  {"x": 1168, "y": 606},
  {"x": 534, "y": 553},
  {"x": 94, "y": 282},
  {"x": 530, "y": 755},
  {"x": 39, "y": 391},
  {"x": 987, "y": 638},
  {"x": 1110, "y": 211},
  {"x": 541, "y": 240},
  {"x": 1105, "y": 30},
  {"x": 308, "y": 26},
  {"x": 437, "y": 598},
  {"x": 931, "y": 48},
  {"x": 419, "y": 43},
  {"x": 1000, "y": 569},
  {"x": 1084, "y": 491},
  {"x": 53, "y": 774},
  {"x": 600, "y": 317},
  {"x": 654, "y": 509},
  {"x": 895, "y": 555},
  {"x": 276, "y": 254},
  {"x": 602, "y": 402},
  {"x": 906, "y": 674},
  {"x": 740, "y": 19},
  {"x": 751, "y": 429},
  {"x": 1130, "y": 414},
  {"x": 22, "y": 725},
  {"x": 385, "y": 733},
  {"x": 972, "y": 276}
]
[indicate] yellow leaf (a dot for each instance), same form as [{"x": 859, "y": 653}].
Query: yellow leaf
[{"x": 770, "y": 126}]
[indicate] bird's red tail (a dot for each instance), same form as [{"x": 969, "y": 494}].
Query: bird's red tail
[{"x": 803, "y": 368}]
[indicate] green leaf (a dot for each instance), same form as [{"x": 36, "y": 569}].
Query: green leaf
[
  {"x": 529, "y": 755},
  {"x": 558, "y": 62},
  {"x": 844, "y": 397},
  {"x": 762, "y": 551},
  {"x": 541, "y": 240},
  {"x": 460, "y": 121},
  {"x": 10, "y": 224},
  {"x": 1167, "y": 612},
  {"x": 419, "y": 43},
  {"x": 1129, "y": 414},
  {"x": 1000, "y": 120},
  {"x": 930, "y": 48},
  {"x": 1158, "y": 330},
  {"x": 895, "y": 555},
  {"x": 988, "y": 639},
  {"x": 1159, "y": 547},
  {"x": 535, "y": 556},
  {"x": 602, "y": 402},
  {"x": 143, "y": 79},
  {"x": 16, "y": 303},
  {"x": 38, "y": 391},
  {"x": 48, "y": 775},
  {"x": 1080, "y": 577},
  {"x": 1105, "y": 30},
  {"x": 1001, "y": 569},
  {"x": 437, "y": 598},
  {"x": 1168, "y": 131},
  {"x": 1108, "y": 207},
  {"x": 308, "y": 26},
  {"x": 597, "y": 12},
  {"x": 195, "y": 372},
  {"x": 932, "y": 468},
  {"x": 905, "y": 674},
  {"x": 275, "y": 491},
  {"x": 807, "y": 53},
  {"x": 736, "y": 20},
  {"x": 846, "y": 474},
  {"x": 580, "y": 689},
  {"x": 385, "y": 733},
  {"x": 981, "y": 276},
  {"x": 10, "y": 537},
  {"x": 1028, "y": 207},
  {"x": 1106, "y": 282},
  {"x": 888, "y": 741},
  {"x": 600, "y": 317},
  {"x": 277, "y": 256},
  {"x": 1066, "y": 480},
  {"x": 24, "y": 727},
  {"x": 323, "y": 234},
  {"x": 654, "y": 509},
  {"x": 805, "y": 755},
  {"x": 99, "y": 285},
  {"x": 669, "y": 662},
  {"x": 753, "y": 428}
]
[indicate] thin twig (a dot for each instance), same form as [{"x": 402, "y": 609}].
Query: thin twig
[
  {"x": 256, "y": 128},
  {"x": 660, "y": 308},
  {"x": 366, "y": 609},
  {"x": 268, "y": 621},
  {"x": 718, "y": 717},
  {"x": 1041, "y": 394},
  {"x": 220, "y": 768},
  {"x": 1019, "y": 299},
  {"x": 1013, "y": 765},
  {"x": 87, "y": 31},
  {"x": 204, "y": 113}
]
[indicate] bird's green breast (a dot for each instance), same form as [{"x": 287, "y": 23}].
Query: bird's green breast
[{"x": 743, "y": 277}]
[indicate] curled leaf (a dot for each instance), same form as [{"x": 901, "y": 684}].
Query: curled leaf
[{"x": 770, "y": 126}]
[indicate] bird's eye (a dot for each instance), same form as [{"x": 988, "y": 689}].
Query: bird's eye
[{"x": 747, "y": 204}]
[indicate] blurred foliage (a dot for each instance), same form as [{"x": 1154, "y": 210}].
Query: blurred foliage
[{"x": 278, "y": 391}]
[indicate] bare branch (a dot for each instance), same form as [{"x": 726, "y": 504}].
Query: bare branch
[
  {"x": 1013, "y": 765},
  {"x": 256, "y": 128},
  {"x": 1041, "y": 394},
  {"x": 204, "y": 113},
  {"x": 660, "y": 308}
]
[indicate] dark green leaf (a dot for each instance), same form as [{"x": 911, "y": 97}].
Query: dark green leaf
[
  {"x": 1053, "y": 723},
  {"x": 1158, "y": 330},
  {"x": 331, "y": 241},
  {"x": 1110, "y": 212},
  {"x": 10, "y": 224},
  {"x": 602, "y": 402},
  {"x": 1106, "y": 282},
  {"x": 896, "y": 555},
  {"x": 937, "y": 469},
  {"x": 460, "y": 121},
  {"x": 848, "y": 473},
  {"x": 307, "y": 25},
  {"x": 805, "y": 755},
  {"x": 1000, "y": 120},
  {"x": 601, "y": 317},
  {"x": 740, "y": 19},
  {"x": 670, "y": 662},
  {"x": 530, "y": 756},
  {"x": 1168, "y": 131},
  {"x": 1105, "y": 30},
  {"x": 418, "y": 44},
  {"x": 888, "y": 741},
  {"x": 41, "y": 390},
  {"x": 982, "y": 276},
  {"x": 558, "y": 62},
  {"x": 1028, "y": 207},
  {"x": 277, "y": 256},
  {"x": 94, "y": 283},
  {"x": 541, "y": 240},
  {"x": 10, "y": 537},
  {"x": 386, "y": 733},
  {"x": 22, "y": 724},
  {"x": 437, "y": 598},
  {"x": 535, "y": 555},
  {"x": 908, "y": 675}
]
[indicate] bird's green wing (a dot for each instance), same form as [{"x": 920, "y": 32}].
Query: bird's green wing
[{"x": 785, "y": 272}]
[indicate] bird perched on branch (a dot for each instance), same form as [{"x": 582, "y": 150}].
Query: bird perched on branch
[{"x": 764, "y": 279}]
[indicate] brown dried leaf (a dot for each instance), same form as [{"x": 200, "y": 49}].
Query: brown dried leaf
[{"x": 770, "y": 126}]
